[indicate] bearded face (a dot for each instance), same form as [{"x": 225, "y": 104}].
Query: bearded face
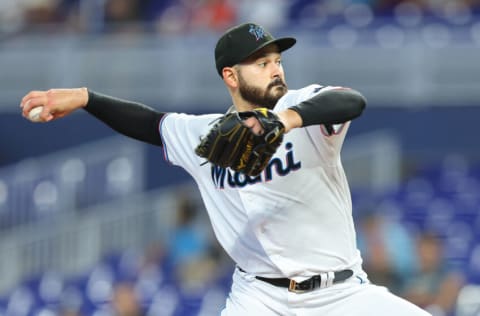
[{"x": 267, "y": 97}]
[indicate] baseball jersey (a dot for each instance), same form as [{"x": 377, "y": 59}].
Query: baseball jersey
[{"x": 294, "y": 219}]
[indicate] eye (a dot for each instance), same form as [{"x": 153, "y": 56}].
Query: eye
[
  {"x": 279, "y": 62},
  {"x": 262, "y": 64}
]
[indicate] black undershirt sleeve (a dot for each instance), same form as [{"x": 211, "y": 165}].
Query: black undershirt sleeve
[
  {"x": 129, "y": 118},
  {"x": 334, "y": 106}
]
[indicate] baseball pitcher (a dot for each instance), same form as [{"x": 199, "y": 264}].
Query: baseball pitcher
[{"x": 270, "y": 174}]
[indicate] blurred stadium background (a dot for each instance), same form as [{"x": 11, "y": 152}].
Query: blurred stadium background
[{"x": 92, "y": 223}]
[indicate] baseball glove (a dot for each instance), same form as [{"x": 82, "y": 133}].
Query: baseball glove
[{"x": 230, "y": 143}]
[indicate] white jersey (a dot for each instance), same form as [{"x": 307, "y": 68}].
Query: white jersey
[{"x": 295, "y": 219}]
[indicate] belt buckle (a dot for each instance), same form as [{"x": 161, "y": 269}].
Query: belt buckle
[{"x": 293, "y": 288}]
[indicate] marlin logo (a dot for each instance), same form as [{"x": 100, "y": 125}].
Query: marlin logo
[
  {"x": 256, "y": 31},
  {"x": 221, "y": 177}
]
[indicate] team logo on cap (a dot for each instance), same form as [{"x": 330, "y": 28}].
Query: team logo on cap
[{"x": 256, "y": 31}]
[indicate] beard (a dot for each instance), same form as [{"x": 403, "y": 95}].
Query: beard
[{"x": 264, "y": 98}]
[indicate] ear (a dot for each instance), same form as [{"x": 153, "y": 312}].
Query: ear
[{"x": 230, "y": 77}]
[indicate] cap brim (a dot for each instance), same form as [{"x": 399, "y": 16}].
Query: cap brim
[{"x": 283, "y": 44}]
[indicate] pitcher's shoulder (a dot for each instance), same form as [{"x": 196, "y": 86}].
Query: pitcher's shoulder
[{"x": 295, "y": 96}]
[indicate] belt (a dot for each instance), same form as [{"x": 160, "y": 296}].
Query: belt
[{"x": 322, "y": 280}]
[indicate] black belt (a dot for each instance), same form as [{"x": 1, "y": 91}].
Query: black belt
[{"x": 317, "y": 281}]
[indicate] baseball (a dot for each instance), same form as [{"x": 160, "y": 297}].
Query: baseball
[{"x": 34, "y": 114}]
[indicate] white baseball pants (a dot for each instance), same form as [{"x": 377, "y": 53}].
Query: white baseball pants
[{"x": 353, "y": 297}]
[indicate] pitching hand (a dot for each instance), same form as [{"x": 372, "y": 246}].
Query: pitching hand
[{"x": 56, "y": 103}]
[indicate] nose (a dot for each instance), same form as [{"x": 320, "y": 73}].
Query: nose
[{"x": 276, "y": 70}]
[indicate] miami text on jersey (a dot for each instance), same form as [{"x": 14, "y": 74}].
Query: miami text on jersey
[{"x": 239, "y": 180}]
